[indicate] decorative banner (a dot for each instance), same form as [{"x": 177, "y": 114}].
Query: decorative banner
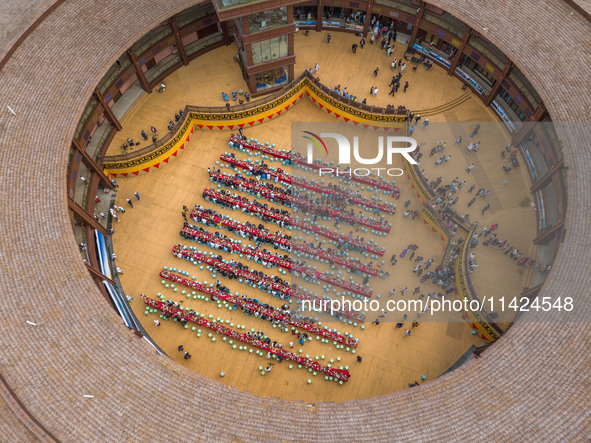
[{"x": 257, "y": 115}]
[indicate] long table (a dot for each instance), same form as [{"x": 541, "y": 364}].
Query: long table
[
  {"x": 252, "y": 307},
  {"x": 295, "y": 158},
  {"x": 282, "y": 176},
  {"x": 340, "y": 374}
]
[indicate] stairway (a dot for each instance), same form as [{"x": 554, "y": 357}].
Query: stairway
[{"x": 445, "y": 107}]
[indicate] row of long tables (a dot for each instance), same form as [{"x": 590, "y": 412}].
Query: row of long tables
[
  {"x": 220, "y": 266},
  {"x": 189, "y": 232},
  {"x": 262, "y": 311},
  {"x": 233, "y": 225},
  {"x": 295, "y": 158},
  {"x": 282, "y": 176},
  {"x": 239, "y": 183},
  {"x": 340, "y": 374},
  {"x": 204, "y": 237}
]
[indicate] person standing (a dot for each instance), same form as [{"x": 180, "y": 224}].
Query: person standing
[
  {"x": 375, "y": 91},
  {"x": 470, "y": 167},
  {"x": 328, "y": 38},
  {"x": 362, "y": 43},
  {"x": 136, "y": 195},
  {"x": 129, "y": 202}
]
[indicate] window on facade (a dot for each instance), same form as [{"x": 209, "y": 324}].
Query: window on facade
[
  {"x": 271, "y": 49},
  {"x": 525, "y": 87},
  {"x": 443, "y": 24},
  {"x": 261, "y": 21},
  {"x": 488, "y": 50},
  {"x": 272, "y": 78},
  {"x": 231, "y": 3},
  {"x": 512, "y": 104}
]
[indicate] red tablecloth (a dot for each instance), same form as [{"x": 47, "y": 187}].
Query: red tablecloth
[
  {"x": 237, "y": 226},
  {"x": 214, "y": 196},
  {"x": 221, "y": 242},
  {"x": 339, "y": 374},
  {"x": 297, "y": 158},
  {"x": 251, "y": 307},
  {"x": 284, "y": 155}
]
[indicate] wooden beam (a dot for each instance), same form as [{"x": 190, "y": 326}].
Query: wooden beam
[
  {"x": 460, "y": 51},
  {"x": 97, "y": 274},
  {"x": 495, "y": 89},
  {"x": 529, "y": 125},
  {"x": 531, "y": 293},
  {"x": 84, "y": 218},
  {"x": 109, "y": 113},
  {"x": 482, "y": 348},
  {"x": 548, "y": 234},
  {"x": 95, "y": 167},
  {"x": 415, "y": 27},
  {"x": 367, "y": 18},
  {"x": 547, "y": 177},
  {"x": 319, "y": 16},
  {"x": 179, "y": 41},
  {"x": 138, "y": 70},
  {"x": 226, "y": 34}
]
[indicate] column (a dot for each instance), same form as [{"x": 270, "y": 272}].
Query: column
[
  {"x": 495, "y": 89},
  {"x": 367, "y": 18},
  {"x": 140, "y": 74},
  {"x": 84, "y": 218},
  {"x": 93, "y": 166},
  {"x": 319, "y": 16},
  {"x": 415, "y": 28},
  {"x": 108, "y": 112},
  {"x": 226, "y": 34},
  {"x": 549, "y": 234},
  {"x": 547, "y": 177},
  {"x": 528, "y": 125},
  {"x": 460, "y": 51},
  {"x": 179, "y": 41}
]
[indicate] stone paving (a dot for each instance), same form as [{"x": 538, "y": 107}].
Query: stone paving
[{"x": 534, "y": 382}]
